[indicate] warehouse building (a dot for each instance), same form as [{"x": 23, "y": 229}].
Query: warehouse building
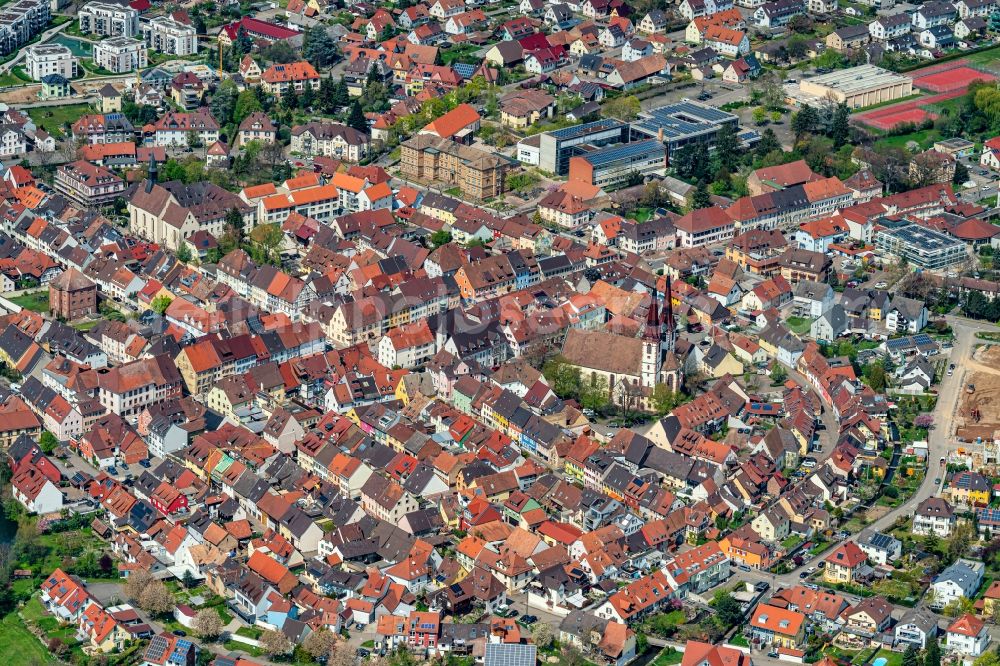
[
  {"x": 920, "y": 246},
  {"x": 857, "y": 87}
]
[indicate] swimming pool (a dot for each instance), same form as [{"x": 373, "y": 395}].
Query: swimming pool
[{"x": 881, "y": 661}]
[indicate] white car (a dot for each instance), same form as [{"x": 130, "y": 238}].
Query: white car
[{"x": 881, "y": 285}]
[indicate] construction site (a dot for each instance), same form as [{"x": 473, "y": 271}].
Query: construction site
[{"x": 978, "y": 416}]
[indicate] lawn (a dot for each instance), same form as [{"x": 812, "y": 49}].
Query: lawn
[
  {"x": 925, "y": 138},
  {"x": 891, "y": 658},
  {"x": 36, "y": 302},
  {"x": 740, "y": 641},
  {"x": 462, "y": 53},
  {"x": 641, "y": 215},
  {"x": 232, "y": 646},
  {"x": 84, "y": 326},
  {"x": 791, "y": 542},
  {"x": 986, "y": 58},
  {"x": 799, "y": 325},
  {"x": 53, "y": 118},
  {"x": 19, "y": 646},
  {"x": 668, "y": 657},
  {"x": 249, "y": 632}
]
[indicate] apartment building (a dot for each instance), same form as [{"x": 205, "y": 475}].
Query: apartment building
[
  {"x": 166, "y": 35},
  {"x": 88, "y": 183},
  {"x": 330, "y": 140},
  {"x": 278, "y": 79},
  {"x": 20, "y": 21},
  {"x": 108, "y": 19},
  {"x": 479, "y": 174},
  {"x": 121, "y": 54},
  {"x": 42, "y": 60}
]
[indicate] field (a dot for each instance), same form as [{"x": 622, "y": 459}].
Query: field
[
  {"x": 925, "y": 138},
  {"x": 53, "y": 118},
  {"x": 984, "y": 403},
  {"x": 19, "y": 646}
]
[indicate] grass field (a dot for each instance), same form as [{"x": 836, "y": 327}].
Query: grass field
[
  {"x": 459, "y": 54},
  {"x": 19, "y": 646},
  {"x": 799, "y": 325},
  {"x": 668, "y": 657},
  {"x": 36, "y": 302},
  {"x": 925, "y": 138},
  {"x": 52, "y": 118},
  {"x": 988, "y": 59}
]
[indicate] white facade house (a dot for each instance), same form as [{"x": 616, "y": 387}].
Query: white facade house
[
  {"x": 967, "y": 636},
  {"x": 166, "y": 35},
  {"x": 961, "y": 579},
  {"x": 108, "y": 19},
  {"x": 880, "y": 548},
  {"x": 934, "y": 516},
  {"x": 42, "y": 60},
  {"x": 35, "y": 492},
  {"x": 121, "y": 54},
  {"x": 12, "y": 142}
]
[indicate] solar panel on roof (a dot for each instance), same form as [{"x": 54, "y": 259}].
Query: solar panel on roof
[
  {"x": 157, "y": 647},
  {"x": 464, "y": 70},
  {"x": 510, "y": 654}
]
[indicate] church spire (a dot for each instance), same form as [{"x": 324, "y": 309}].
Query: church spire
[
  {"x": 151, "y": 173},
  {"x": 652, "y": 331},
  {"x": 669, "y": 329}
]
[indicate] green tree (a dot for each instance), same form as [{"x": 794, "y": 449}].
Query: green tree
[
  {"x": 289, "y": 99},
  {"x": 234, "y": 223},
  {"x": 768, "y": 143},
  {"x": 439, "y": 238},
  {"x": 911, "y": 657},
  {"x": 759, "y": 115},
  {"x": 728, "y": 149},
  {"x": 357, "y": 119},
  {"x": 594, "y": 394},
  {"x": 727, "y": 609},
  {"x": 48, "y": 442},
  {"x": 246, "y": 103},
  {"x": 664, "y": 399},
  {"x": 183, "y": 253},
  {"x": 562, "y": 377},
  {"x": 961, "y": 173},
  {"x": 778, "y": 373},
  {"x": 840, "y": 130},
  {"x": 701, "y": 198},
  {"x": 932, "y": 654},
  {"x": 267, "y": 240},
  {"x": 319, "y": 48},
  {"x": 223, "y": 103},
  {"x": 625, "y": 108},
  {"x": 160, "y": 304},
  {"x": 308, "y": 98},
  {"x": 958, "y": 606}
]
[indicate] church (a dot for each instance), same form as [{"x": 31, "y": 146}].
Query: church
[{"x": 632, "y": 366}]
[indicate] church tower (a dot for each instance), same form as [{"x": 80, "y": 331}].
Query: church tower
[
  {"x": 651, "y": 342},
  {"x": 667, "y": 322}
]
